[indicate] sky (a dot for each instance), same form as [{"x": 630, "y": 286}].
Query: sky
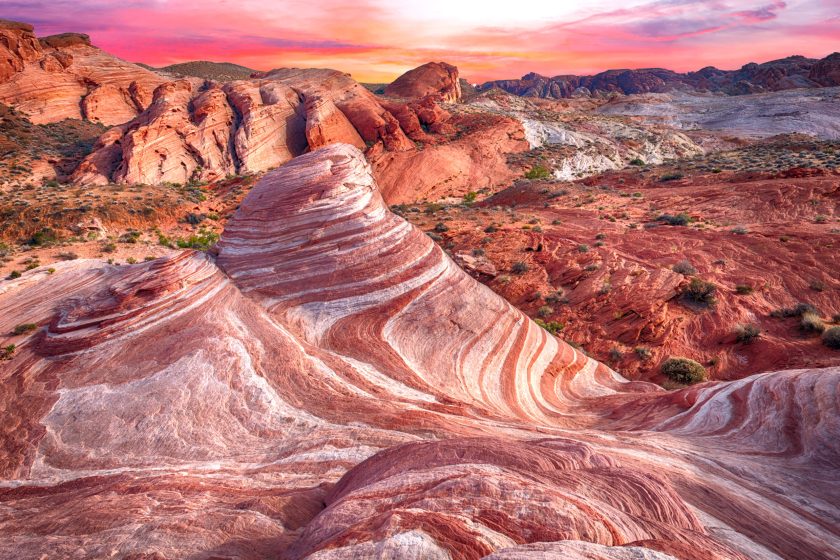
[{"x": 376, "y": 40}]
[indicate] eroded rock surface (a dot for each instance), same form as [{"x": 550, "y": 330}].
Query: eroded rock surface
[
  {"x": 65, "y": 77},
  {"x": 331, "y": 385},
  {"x": 438, "y": 79}
]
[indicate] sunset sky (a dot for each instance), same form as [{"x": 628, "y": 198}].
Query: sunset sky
[{"x": 376, "y": 40}]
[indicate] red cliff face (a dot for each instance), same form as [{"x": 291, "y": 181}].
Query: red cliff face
[
  {"x": 65, "y": 77},
  {"x": 433, "y": 78},
  {"x": 331, "y": 385}
]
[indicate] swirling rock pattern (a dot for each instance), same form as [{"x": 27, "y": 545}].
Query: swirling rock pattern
[{"x": 329, "y": 384}]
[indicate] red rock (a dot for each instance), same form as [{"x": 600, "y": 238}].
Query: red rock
[
  {"x": 64, "y": 76},
  {"x": 329, "y": 384},
  {"x": 433, "y": 78}
]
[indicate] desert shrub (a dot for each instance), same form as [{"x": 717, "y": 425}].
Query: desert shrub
[
  {"x": 740, "y": 230},
  {"x": 13, "y": 274},
  {"x": 470, "y": 197},
  {"x": 747, "y": 333},
  {"x": 7, "y": 352},
  {"x": 194, "y": 219},
  {"x": 831, "y": 338},
  {"x": 24, "y": 328},
  {"x": 681, "y": 219},
  {"x": 109, "y": 247},
  {"x": 545, "y": 311},
  {"x": 643, "y": 353},
  {"x": 615, "y": 354},
  {"x": 556, "y": 297},
  {"x": 685, "y": 268},
  {"x": 4, "y": 250},
  {"x": 811, "y": 323},
  {"x": 131, "y": 260},
  {"x": 683, "y": 370},
  {"x": 637, "y": 161},
  {"x": 817, "y": 285},
  {"x": 68, "y": 256},
  {"x": 797, "y": 310},
  {"x": 478, "y": 252},
  {"x": 553, "y": 327},
  {"x": 440, "y": 227},
  {"x": 820, "y": 219},
  {"x": 671, "y": 177},
  {"x": 434, "y": 237},
  {"x": 433, "y": 208},
  {"x": 538, "y": 172},
  {"x": 583, "y": 248},
  {"x": 491, "y": 229},
  {"x": 200, "y": 241},
  {"x": 519, "y": 267},
  {"x": 743, "y": 289},
  {"x": 45, "y": 236},
  {"x": 701, "y": 292},
  {"x": 503, "y": 279}
]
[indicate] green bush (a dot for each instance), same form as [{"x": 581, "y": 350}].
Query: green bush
[
  {"x": 24, "y": 328},
  {"x": 470, "y": 197},
  {"x": 7, "y": 352},
  {"x": 743, "y": 289},
  {"x": 637, "y": 161},
  {"x": 681, "y": 219},
  {"x": 538, "y": 172},
  {"x": 46, "y": 236},
  {"x": 700, "y": 292},
  {"x": 685, "y": 268},
  {"x": 812, "y": 323},
  {"x": 519, "y": 267},
  {"x": 671, "y": 177},
  {"x": 683, "y": 370},
  {"x": 551, "y": 326},
  {"x": 797, "y": 310},
  {"x": 831, "y": 338},
  {"x": 545, "y": 311},
  {"x": 747, "y": 333}
]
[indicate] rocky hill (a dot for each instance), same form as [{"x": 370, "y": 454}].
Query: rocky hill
[
  {"x": 776, "y": 75},
  {"x": 65, "y": 77},
  {"x": 217, "y": 71},
  {"x": 397, "y": 406}
]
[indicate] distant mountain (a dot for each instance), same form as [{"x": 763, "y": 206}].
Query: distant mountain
[
  {"x": 786, "y": 73},
  {"x": 219, "y": 71}
]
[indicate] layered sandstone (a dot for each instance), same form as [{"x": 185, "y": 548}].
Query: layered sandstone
[
  {"x": 65, "y": 77},
  {"x": 438, "y": 79},
  {"x": 331, "y": 385}
]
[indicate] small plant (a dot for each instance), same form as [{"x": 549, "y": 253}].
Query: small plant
[
  {"x": 109, "y": 247},
  {"x": 820, "y": 219},
  {"x": 24, "y": 328},
  {"x": 831, "y": 338},
  {"x": 538, "y": 172},
  {"x": 700, "y": 292},
  {"x": 681, "y": 219},
  {"x": 797, "y": 310},
  {"x": 131, "y": 260},
  {"x": 744, "y": 289},
  {"x": 470, "y": 197},
  {"x": 545, "y": 311},
  {"x": 605, "y": 288},
  {"x": 671, "y": 177},
  {"x": 740, "y": 230},
  {"x": 811, "y": 323},
  {"x": 583, "y": 248},
  {"x": 683, "y": 370},
  {"x": 817, "y": 285},
  {"x": 491, "y": 229},
  {"x": 478, "y": 252},
  {"x": 637, "y": 162},
  {"x": 131, "y": 236},
  {"x": 746, "y": 334},
  {"x": 68, "y": 256},
  {"x": 503, "y": 279},
  {"x": 13, "y": 274},
  {"x": 685, "y": 268},
  {"x": 643, "y": 353},
  {"x": 519, "y": 267},
  {"x": 556, "y": 297},
  {"x": 46, "y": 236},
  {"x": 553, "y": 327},
  {"x": 440, "y": 227},
  {"x": 615, "y": 354},
  {"x": 7, "y": 352}
]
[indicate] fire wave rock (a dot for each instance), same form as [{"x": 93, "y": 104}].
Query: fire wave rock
[{"x": 330, "y": 385}]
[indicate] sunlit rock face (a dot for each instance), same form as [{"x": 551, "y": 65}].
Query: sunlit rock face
[
  {"x": 328, "y": 384},
  {"x": 65, "y": 77},
  {"x": 437, "y": 79}
]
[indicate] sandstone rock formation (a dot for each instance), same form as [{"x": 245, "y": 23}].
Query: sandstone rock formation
[
  {"x": 330, "y": 385},
  {"x": 786, "y": 73},
  {"x": 65, "y": 77},
  {"x": 433, "y": 78}
]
